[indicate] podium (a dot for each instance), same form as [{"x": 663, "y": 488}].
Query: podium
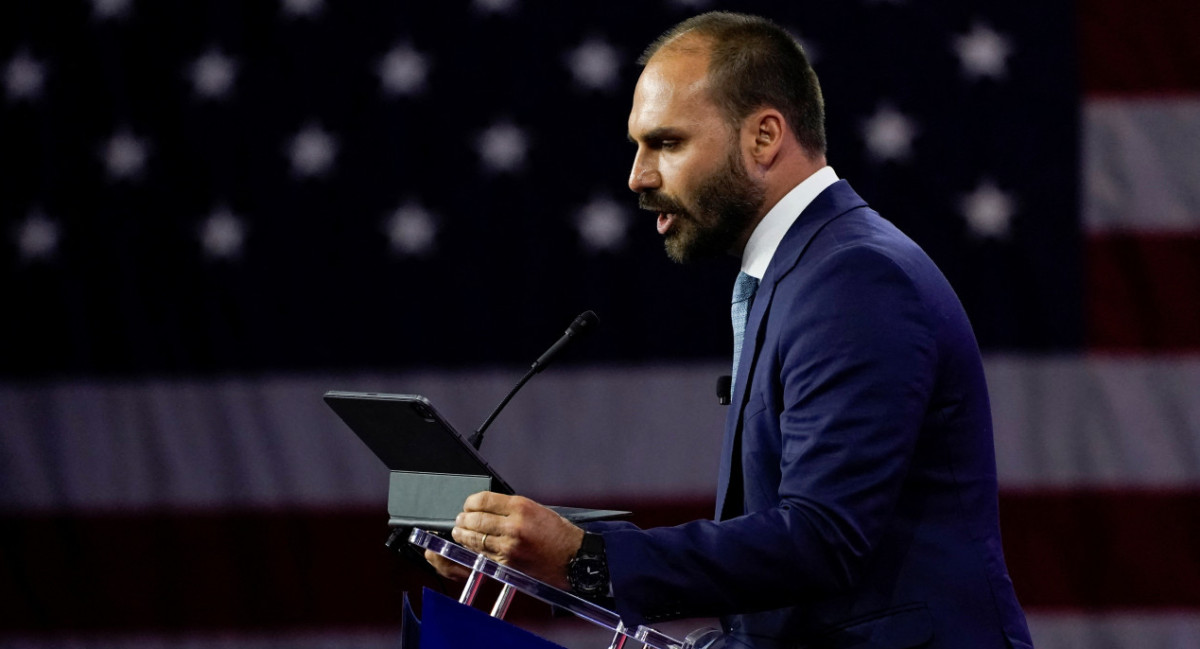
[
  {"x": 515, "y": 581},
  {"x": 448, "y": 624},
  {"x": 433, "y": 470}
]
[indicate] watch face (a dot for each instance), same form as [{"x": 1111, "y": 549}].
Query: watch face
[
  {"x": 587, "y": 572},
  {"x": 588, "y": 575}
]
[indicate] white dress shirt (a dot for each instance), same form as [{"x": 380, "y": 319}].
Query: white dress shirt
[{"x": 769, "y": 232}]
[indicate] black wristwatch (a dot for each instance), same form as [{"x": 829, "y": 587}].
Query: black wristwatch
[{"x": 587, "y": 572}]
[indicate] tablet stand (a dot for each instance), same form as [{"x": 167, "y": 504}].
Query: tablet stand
[
  {"x": 418, "y": 499},
  {"x": 515, "y": 580}
]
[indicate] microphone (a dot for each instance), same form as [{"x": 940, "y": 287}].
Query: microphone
[
  {"x": 724, "y": 389},
  {"x": 583, "y": 324}
]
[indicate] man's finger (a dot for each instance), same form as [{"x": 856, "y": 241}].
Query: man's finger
[
  {"x": 482, "y": 522},
  {"x": 476, "y": 539},
  {"x": 446, "y": 567},
  {"x": 488, "y": 501},
  {"x": 461, "y": 535}
]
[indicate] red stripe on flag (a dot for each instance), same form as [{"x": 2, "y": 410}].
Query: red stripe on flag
[
  {"x": 1144, "y": 48},
  {"x": 182, "y": 570},
  {"x": 298, "y": 570},
  {"x": 1143, "y": 292},
  {"x": 1103, "y": 549}
]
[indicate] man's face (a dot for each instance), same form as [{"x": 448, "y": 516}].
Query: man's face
[{"x": 689, "y": 166}]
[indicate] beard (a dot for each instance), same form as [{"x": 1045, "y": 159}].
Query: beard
[{"x": 725, "y": 205}]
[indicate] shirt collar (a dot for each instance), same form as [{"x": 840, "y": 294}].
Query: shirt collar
[{"x": 769, "y": 232}]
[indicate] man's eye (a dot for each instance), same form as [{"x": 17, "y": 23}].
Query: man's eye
[{"x": 668, "y": 145}]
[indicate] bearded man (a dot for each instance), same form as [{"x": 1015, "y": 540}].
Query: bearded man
[{"x": 857, "y": 496}]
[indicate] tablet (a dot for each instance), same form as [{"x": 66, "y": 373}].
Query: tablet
[
  {"x": 409, "y": 434},
  {"x": 433, "y": 467}
]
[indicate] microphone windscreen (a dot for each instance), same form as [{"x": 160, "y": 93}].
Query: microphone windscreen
[
  {"x": 586, "y": 321},
  {"x": 724, "y": 387}
]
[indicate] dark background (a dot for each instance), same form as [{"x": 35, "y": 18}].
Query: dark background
[{"x": 129, "y": 290}]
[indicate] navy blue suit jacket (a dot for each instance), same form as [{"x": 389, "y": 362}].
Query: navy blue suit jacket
[{"x": 862, "y": 438}]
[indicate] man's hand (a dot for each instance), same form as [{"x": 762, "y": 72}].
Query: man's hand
[{"x": 516, "y": 532}]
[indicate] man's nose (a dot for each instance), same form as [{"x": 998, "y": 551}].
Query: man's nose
[{"x": 642, "y": 179}]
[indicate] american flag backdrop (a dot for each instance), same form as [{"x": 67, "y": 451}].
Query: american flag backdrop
[{"x": 212, "y": 212}]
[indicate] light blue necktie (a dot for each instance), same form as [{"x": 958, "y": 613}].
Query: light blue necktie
[{"x": 743, "y": 295}]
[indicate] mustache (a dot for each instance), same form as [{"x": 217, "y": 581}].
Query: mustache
[{"x": 656, "y": 202}]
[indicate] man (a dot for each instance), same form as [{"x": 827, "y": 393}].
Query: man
[{"x": 857, "y": 502}]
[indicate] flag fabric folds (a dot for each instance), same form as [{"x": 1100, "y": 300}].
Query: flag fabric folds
[{"x": 213, "y": 212}]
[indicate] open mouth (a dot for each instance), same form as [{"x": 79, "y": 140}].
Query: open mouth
[{"x": 665, "y": 221}]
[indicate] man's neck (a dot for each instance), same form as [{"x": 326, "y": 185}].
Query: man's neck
[
  {"x": 797, "y": 170},
  {"x": 778, "y": 183},
  {"x": 766, "y": 236}
]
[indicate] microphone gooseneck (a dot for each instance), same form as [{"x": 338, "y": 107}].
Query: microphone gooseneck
[{"x": 582, "y": 324}]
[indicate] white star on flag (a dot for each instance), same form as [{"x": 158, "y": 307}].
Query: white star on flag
[
  {"x": 988, "y": 211},
  {"x": 37, "y": 237},
  {"x": 982, "y": 52},
  {"x": 303, "y": 8},
  {"x": 213, "y": 75},
  {"x": 312, "y": 151},
  {"x": 403, "y": 71},
  {"x": 502, "y": 147},
  {"x": 125, "y": 156},
  {"x": 594, "y": 65},
  {"x": 222, "y": 234},
  {"x": 24, "y": 77},
  {"x": 889, "y": 134},
  {"x": 106, "y": 9},
  {"x": 494, "y": 6},
  {"x": 602, "y": 224},
  {"x": 411, "y": 230}
]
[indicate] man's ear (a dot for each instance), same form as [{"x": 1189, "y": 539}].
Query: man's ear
[{"x": 767, "y": 128}]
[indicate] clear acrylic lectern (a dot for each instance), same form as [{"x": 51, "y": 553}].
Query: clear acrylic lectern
[{"x": 517, "y": 581}]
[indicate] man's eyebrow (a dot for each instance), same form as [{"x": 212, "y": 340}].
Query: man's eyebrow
[{"x": 656, "y": 134}]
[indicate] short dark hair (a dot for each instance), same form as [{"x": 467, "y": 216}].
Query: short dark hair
[{"x": 754, "y": 63}]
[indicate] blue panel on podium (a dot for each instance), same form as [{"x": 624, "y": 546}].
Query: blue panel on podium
[
  {"x": 446, "y": 624},
  {"x": 410, "y": 627}
]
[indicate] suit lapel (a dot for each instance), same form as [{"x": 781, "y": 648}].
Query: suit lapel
[{"x": 836, "y": 200}]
